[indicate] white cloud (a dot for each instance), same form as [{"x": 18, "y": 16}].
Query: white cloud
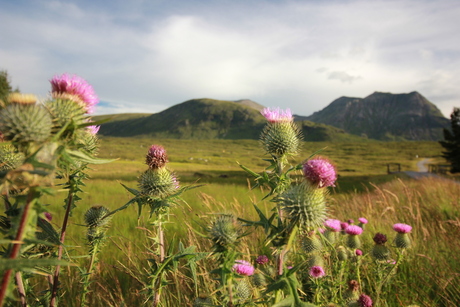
[{"x": 302, "y": 55}]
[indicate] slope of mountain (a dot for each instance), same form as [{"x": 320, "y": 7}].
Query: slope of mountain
[
  {"x": 209, "y": 119},
  {"x": 385, "y": 116}
]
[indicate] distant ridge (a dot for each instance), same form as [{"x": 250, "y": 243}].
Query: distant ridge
[
  {"x": 385, "y": 116},
  {"x": 209, "y": 119}
]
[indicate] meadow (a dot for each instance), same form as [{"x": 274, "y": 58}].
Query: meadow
[{"x": 429, "y": 276}]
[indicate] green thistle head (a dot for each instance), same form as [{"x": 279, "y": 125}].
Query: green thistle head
[
  {"x": 259, "y": 280},
  {"x": 24, "y": 123},
  {"x": 243, "y": 290},
  {"x": 225, "y": 230},
  {"x": 316, "y": 260},
  {"x": 380, "y": 252},
  {"x": 402, "y": 240},
  {"x": 352, "y": 293},
  {"x": 66, "y": 112},
  {"x": 342, "y": 253},
  {"x": 10, "y": 158},
  {"x": 304, "y": 204},
  {"x": 158, "y": 183},
  {"x": 94, "y": 216},
  {"x": 280, "y": 137},
  {"x": 311, "y": 242}
]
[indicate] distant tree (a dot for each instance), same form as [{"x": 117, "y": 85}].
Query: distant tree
[
  {"x": 451, "y": 142},
  {"x": 5, "y": 86}
]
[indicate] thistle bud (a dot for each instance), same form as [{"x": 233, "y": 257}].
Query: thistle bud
[
  {"x": 242, "y": 291},
  {"x": 225, "y": 230},
  {"x": 94, "y": 216},
  {"x": 159, "y": 183},
  {"x": 315, "y": 260},
  {"x": 311, "y": 242},
  {"x": 402, "y": 239},
  {"x": 342, "y": 253},
  {"x": 280, "y": 136},
  {"x": 352, "y": 293},
  {"x": 353, "y": 241},
  {"x": 202, "y": 301},
  {"x": 305, "y": 205},
  {"x": 10, "y": 158},
  {"x": 24, "y": 123}
]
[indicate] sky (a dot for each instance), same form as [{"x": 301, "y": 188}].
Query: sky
[{"x": 144, "y": 56}]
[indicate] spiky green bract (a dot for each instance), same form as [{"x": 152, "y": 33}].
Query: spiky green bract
[
  {"x": 353, "y": 241},
  {"x": 342, "y": 253},
  {"x": 66, "y": 113},
  {"x": 402, "y": 240},
  {"x": 259, "y": 280},
  {"x": 158, "y": 183},
  {"x": 224, "y": 231},
  {"x": 281, "y": 138},
  {"x": 242, "y": 291},
  {"x": 330, "y": 236},
  {"x": 311, "y": 242},
  {"x": 316, "y": 259},
  {"x": 10, "y": 158},
  {"x": 380, "y": 252},
  {"x": 305, "y": 205},
  {"x": 351, "y": 295},
  {"x": 94, "y": 216},
  {"x": 22, "y": 124}
]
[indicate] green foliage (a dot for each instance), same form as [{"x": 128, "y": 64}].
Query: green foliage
[
  {"x": 5, "y": 85},
  {"x": 451, "y": 142}
]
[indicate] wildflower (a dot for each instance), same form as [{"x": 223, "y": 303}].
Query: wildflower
[
  {"x": 352, "y": 293},
  {"x": 74, "y": 88},
  {"x": 243, "y": 267},
  {"x": 280, "y": 136},
  {"x": 317, "y": 271},
  {"x": 380, "y": 238},
  {"x": 353, "y": 230},
  {"x": 320, "y": 172},
  {"x": 350, "y": 221},
  {"x": 277, "y": 115},
  {"x": 156, "y": 157},
  {"x": 402, "y": 239},
  {"x": 262, "y": 259},
  {"x": 364, "y": 300},
  {"x": 358, "y": 252},
  {"x": 332, "y": 224},
  {"x": 402, "y": 228},
  {"x": 363, "y": 220},
  {"x": 380, "y": 251}
]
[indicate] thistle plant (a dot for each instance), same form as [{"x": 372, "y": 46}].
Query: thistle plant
[
  {"x": 42, "y": 141},
  {"x": 97, "y": 225},
  {"x": 159, "y": 189}
]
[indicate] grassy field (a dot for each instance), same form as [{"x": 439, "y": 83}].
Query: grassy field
[{"x": 364, "y": 189}]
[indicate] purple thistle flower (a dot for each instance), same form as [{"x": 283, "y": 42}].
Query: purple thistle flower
[
  {"x": 353, "y": 230},
  {"x": 243, "y": 267},
  {"x": 317, "y": 271},
  {"x": 344, "y": 225},
  {"x": 365, "y": 301},
  {"x": 358, "y": 252},
  {"x": 75, "y": 86},
  {"x": 262, "y": 259},
  {"x": 48, "y": 216},
  {"x": 380, "y": 238},
  {"x": 402, "y": 228},
  {"x": 363, "y": 220},
  {"x": 350, "y": 221},
  {"x": 93, "y": 129},
  {"x": 277, "y": 115},
  {"x": 320, "y": 171},
  {"x": 156, "y": 157},
  {"x": 332, "y": 224}
]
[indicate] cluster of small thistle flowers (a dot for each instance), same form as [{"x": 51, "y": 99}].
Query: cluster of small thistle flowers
[{"x": 157, "y": 181}]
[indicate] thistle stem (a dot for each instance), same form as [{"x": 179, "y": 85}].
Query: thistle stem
[
  {"x": 17, "y": 245},
  {"x": 61, "y": 247},
  {"x": 161, "y": 247}
]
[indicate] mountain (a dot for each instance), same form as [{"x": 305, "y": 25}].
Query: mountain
[
  {"x": 384, "y": 116},
  {"x": 209, "y": 119}
]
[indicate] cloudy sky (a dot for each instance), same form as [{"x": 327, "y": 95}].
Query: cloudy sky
[{"x": 148, "y": 55}]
